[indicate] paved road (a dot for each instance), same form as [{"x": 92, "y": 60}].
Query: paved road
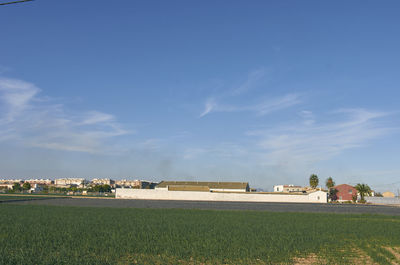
[{"x": 256, "y": 206}]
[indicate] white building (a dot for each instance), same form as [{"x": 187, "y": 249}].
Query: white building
[
  {"x": 7, "y": 186},
  {"x": 10, "y": 181},
  {"x": 36, "y": 188},
  {"x": 289, "y": 188},
  {"x": 128, "y": 183},
  {"x": 39, "y": 181},
  {"x": 104, "y": 181},
  {"x": 67, "y": 182}
]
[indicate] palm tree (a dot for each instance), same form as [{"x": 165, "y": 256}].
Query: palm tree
[
  {"x": 329, "y": 183},
  {"x": 314, "y": 181},
  {"x": 363, "y": 189}
]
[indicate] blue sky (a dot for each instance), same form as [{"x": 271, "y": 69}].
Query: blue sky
[{"x": 267, "y": 92}]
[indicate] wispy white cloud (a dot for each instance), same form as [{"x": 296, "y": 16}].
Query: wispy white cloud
[
  {"x": 95, "y": 117},
  {"x": 308, "y": 117},
  {"x": 256, "y": 78},
  {"x": 263, "y": 108},
  {"x": 309, "y": 142},
  {"x": 210, "y": 105},
  {"x": 252, "y": 80},
  {"x": 29, "y": 120},
  {"x": 277, "y": 103},
  {"x": 16, "y": 96}
]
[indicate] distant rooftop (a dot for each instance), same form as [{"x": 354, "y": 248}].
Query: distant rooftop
[{"x": 211, "y": 185}]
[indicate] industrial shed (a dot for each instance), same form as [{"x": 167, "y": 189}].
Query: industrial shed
[{"x": 203, "y": 186}]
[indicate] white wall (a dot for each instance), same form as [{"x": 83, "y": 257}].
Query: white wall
[
  {"x": 229, "y": 190},
  {"x": 383, "y": 200},
  {"x": 142, "y": 194}
]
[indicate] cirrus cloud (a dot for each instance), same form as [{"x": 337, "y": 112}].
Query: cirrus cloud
[
  {"x": 26, "y": 118},
  {"x": 310, "y": 141}
]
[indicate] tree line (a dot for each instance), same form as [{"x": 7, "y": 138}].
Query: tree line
[{"x": 362, "y": 189}]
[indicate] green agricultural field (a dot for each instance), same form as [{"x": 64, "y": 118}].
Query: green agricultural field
[{"x": 33, "y": 234}]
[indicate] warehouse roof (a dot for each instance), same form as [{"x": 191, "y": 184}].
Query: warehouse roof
[
  {"x": 211, "y": 185},
  {"x": 188, "y": 188}
]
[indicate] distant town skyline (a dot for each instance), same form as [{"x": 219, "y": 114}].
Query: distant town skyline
[{"x": 263, "y": 92}]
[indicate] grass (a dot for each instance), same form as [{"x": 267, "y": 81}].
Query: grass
[{"x": 35, "y": 234}]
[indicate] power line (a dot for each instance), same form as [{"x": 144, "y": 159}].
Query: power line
[{"x": 14, "y": 2}]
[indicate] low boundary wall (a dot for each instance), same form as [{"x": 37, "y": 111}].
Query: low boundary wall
[
  {"x": 142, "y": 194},
  {"x": 383, "y": 200}
]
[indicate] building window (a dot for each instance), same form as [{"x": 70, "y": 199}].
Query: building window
[
  {"x": 350, "y": 192},
  {"x": 277, "y": 189}
]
